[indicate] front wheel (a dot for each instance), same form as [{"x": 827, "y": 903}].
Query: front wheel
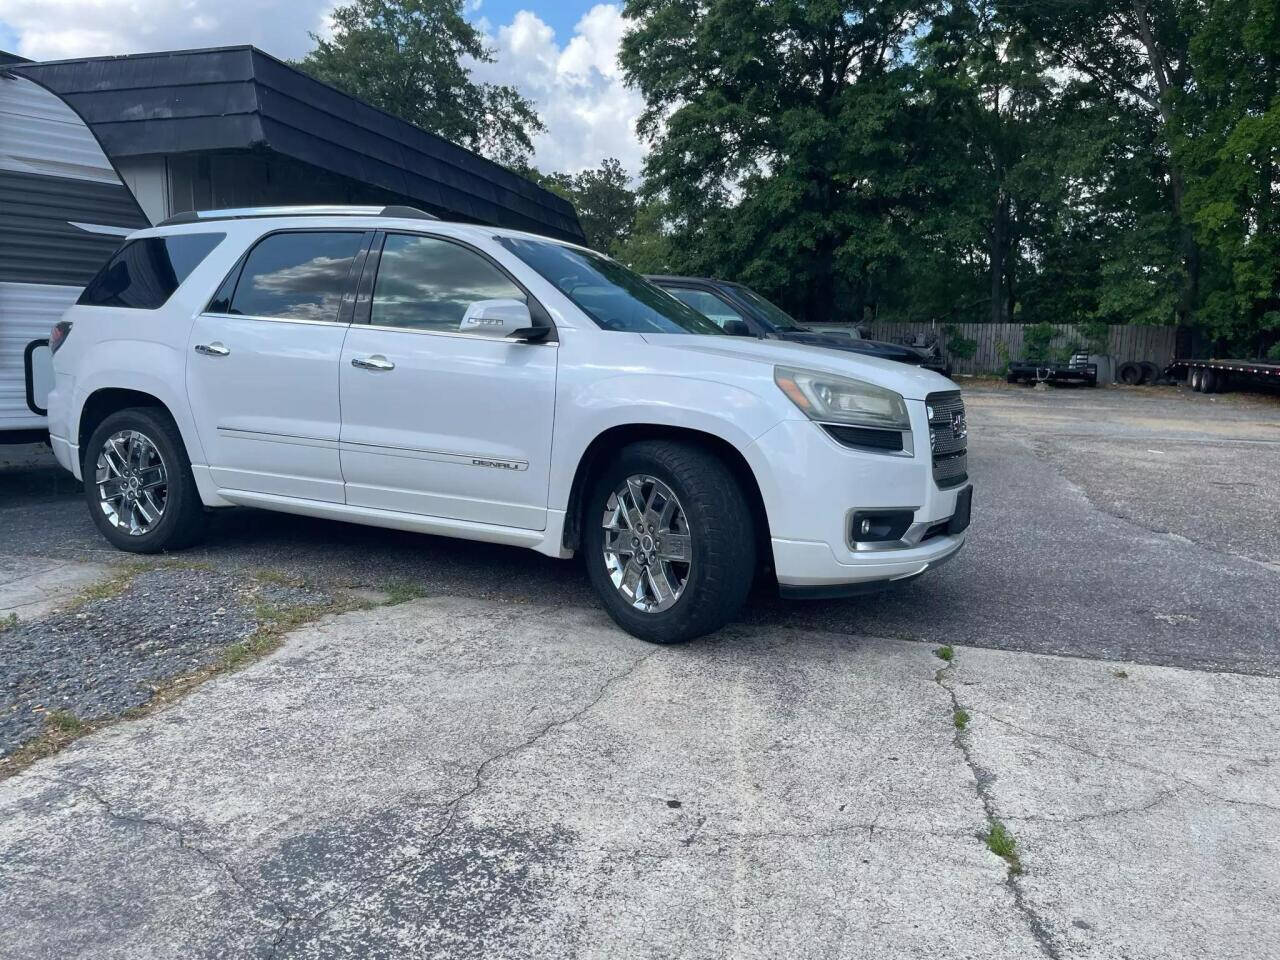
[
  {"x": 138, "y": 483},
  {"x": 669, "y": 540}
]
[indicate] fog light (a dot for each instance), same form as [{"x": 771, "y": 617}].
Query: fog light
[{"x": 879, "y": 526}]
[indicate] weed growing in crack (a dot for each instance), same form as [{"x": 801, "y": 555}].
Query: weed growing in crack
[
  {"x": 9, "y": 622},
  {"x": 946, "y": 653},
  {"x": 1120, "y": 674},
  {"x": 960, "y": 717},
  {"x": 1000, "y": 842}
]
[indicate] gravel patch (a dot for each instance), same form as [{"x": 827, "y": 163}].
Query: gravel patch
[{"x": 107, "y": 655}]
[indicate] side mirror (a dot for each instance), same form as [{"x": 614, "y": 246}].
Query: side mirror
[
  {"x": 501, "y": 319},
  {"x": 737, "y": 328}
]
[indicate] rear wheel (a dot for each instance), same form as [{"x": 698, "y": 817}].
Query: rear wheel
[
  {"x": 669, "y": 541},
  {"x": 138, "y": 483}
]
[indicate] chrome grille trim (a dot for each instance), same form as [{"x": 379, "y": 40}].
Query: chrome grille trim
[{"x": 949, "y": 448}]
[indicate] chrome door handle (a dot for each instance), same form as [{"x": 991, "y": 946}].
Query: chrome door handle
[
  {"x": 376, "y": 362},
  {"x": 214, "y": 349}
]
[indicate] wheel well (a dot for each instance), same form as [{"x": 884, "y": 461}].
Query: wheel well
[
  {"x": 603, "y": 448},
  {"x": 102, "y": 403}
]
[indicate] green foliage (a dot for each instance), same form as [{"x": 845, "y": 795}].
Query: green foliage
[
  {"x": 1037, "y": 341},
  {"x": 1274, "y": 352},
  {"x": 1097, "y": 336},
  {"x": 604, "y": 199},
  {"x": 409, "y": 57},
  {"x": 962, "y": 348},
  {"x": 1033, "y": 162}
]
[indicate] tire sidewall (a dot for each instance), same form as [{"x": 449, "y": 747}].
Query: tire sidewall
[
  {"x": 176, "y": 465},
  {"x": 672, "y": 625}
]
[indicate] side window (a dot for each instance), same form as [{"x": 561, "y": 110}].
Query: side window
[
  {"x": 143, "y": 274},
  {"x": 707, "y": 304},
  {"x": 296, "y": 276},
  {"x": 427, "y": 284}
]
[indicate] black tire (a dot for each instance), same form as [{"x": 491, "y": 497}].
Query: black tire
[
  {"x": 183, "y": 520},
  {"x": 721, "y": 531},
  {"x": 1150, "y": 372},
  {"x": 1197, "y": 380},
  {"x": 1130, "y": 373},
  {"x": 1010, "y": 378},
  {"x": 1209, "y": 380}
]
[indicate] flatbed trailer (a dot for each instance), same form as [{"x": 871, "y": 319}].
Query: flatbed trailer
[
  {"x": 1217, "y": 376},
  {"x": 1032, "y": 372}
]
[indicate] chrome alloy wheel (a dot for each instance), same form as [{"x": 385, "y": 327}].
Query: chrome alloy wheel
[
  {"x": 133, "y": 483},
  {"x": 647, "y": 547}
]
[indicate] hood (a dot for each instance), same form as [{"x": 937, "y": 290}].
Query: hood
[
  {"x": 842, "y": 341},
  {"x": 913, "y": 382}
]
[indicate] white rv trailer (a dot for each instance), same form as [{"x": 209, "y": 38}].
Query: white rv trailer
[{"x": 63, "y": 210}]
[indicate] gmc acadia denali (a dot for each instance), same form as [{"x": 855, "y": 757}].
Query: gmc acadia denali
[{"x": 378, "y": 366}]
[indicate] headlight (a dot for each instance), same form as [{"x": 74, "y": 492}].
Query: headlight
[{"x": 831, "y": 399}]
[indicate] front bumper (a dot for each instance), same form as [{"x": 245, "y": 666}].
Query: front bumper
[{"x": 816, "y": 484}]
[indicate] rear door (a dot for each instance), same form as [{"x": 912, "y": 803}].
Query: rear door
[
  {"x": 262, "y": 364},
  {"x": 436, "y": 421}
]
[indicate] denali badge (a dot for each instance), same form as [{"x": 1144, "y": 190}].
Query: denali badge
[
  {"x": 959, "y": 429},
  {"x": 500, "y": 464}
]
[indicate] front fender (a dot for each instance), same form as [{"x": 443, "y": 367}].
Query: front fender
[{"x": 730, "y": 413}]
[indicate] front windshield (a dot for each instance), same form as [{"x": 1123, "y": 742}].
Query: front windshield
[
  {"x": 773, "y": 313},
  {"x": 606, "y": 291}
]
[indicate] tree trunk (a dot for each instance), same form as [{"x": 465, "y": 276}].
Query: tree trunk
[{"x": 999, "y": 249}]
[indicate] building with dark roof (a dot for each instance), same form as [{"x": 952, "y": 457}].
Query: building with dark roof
[{"x": 93, "y": 148}]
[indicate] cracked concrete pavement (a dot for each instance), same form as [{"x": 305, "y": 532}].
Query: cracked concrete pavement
[{"x": 469, "y": 778}]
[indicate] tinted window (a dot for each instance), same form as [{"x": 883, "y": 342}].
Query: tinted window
[
  {"x": 427, "y": 284},
  {"x": 296, "y": 276},
  {"x": 707, "y": 304},
  {"x": 609, "y": 293},
  {"x": 144, "y": 273},
  {"x": 775, "y": 314}
]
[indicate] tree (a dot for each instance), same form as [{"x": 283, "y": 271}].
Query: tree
[
  {"x": 780, "y": 150},
  {"x": 1229, "y": 141},
  {"x": 408, "y": 57},
  {"x": 604, "y": 199},
  {"x": 1137, "y": 53}
]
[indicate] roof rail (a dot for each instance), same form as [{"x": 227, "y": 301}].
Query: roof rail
[{"x": 241, "y": 213}]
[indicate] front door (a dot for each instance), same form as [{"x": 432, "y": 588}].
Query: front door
[
  {"x": 262, "y": 366},
  {"x": 435, "y": 421}
]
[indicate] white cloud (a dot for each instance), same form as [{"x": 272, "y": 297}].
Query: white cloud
[
  {"x": 57, "y": 29},
  {"x": 578, "y": 89}
]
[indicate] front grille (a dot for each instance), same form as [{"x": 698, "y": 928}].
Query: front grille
[{"x": 948, "y": 438}]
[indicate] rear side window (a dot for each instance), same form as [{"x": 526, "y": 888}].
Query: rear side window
[
  {"x": 143, "y": 274},
  {"x": 295, "y": 276}
]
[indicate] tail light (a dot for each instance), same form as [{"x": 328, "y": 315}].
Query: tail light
[{"x": 58, "y": 335}]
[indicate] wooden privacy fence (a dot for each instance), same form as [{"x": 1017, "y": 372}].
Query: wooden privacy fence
[{"x": 1131, "y": 342}]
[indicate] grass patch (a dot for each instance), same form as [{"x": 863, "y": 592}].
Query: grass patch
[
  {"x": 9, "y": 622},
  {"x": 960, "y": 717},
  {"x": 1120, "y": 674},
  {"x": 1000, "y": 842},
  {"x": 64, "y": 721},
  {"x": 402, "y": 592},
  {"x": 62, "y": 727},
  {"x": 946, "y": 653},
  {"x": 278, "y": 578}
]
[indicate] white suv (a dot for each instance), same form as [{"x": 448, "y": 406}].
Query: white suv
[{"x": 382, "y": 367}]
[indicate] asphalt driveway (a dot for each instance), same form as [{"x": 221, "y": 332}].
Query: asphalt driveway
[{"x": 1135, "y": 524}]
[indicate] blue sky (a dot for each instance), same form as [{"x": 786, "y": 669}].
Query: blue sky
[{"x": 561, "y": 55}]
